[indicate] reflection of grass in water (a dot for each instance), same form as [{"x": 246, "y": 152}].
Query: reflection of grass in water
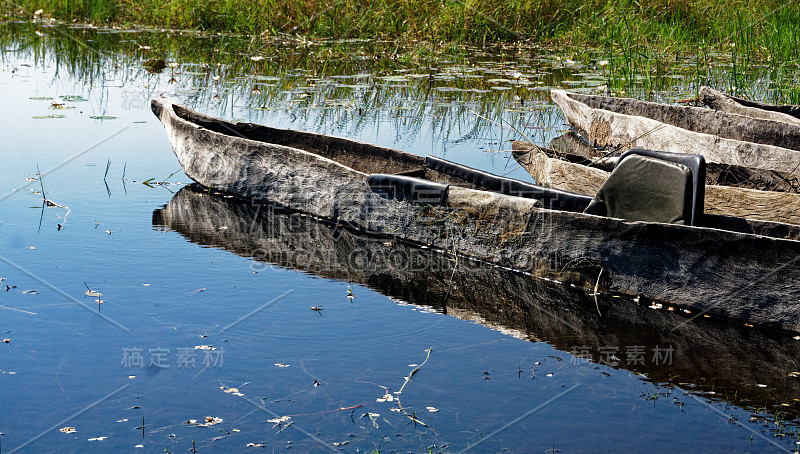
[{"x": 358, "y": 84}]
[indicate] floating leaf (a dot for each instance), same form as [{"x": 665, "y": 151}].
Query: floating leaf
[
  {"x": 281, "y": 365},
  {"x": 432, "y": 409},
  {"x": 102, "y": 117},
  {"x": 234, "y": 391},
  {"x": 73, "y": 98},
  {"x": 279, "y": 419},
  {"x": 98, "y": 439},
  {"x": 68, "y": 430},
  {"x": 45, "y": 117},
  {"x": 204, "y": 347},
  {"x": 207, "y": 422}
]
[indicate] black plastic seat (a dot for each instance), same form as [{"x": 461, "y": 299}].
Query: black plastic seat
[{"x": 656, "y": 186}]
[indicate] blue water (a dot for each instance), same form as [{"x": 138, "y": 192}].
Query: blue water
[{"x": 129, "y": 370}]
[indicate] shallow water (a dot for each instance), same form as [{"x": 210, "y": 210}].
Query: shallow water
[{"x": 504, "y": 357}]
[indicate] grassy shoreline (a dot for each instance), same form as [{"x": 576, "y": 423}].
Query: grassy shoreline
[
  {"x": 767, "y": 28},
  {"x": 755, "y": 46}
]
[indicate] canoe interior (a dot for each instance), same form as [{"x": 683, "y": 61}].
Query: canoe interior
[
  {"x": 359, "y": 156},
  {"x": 706, "y": 121}
]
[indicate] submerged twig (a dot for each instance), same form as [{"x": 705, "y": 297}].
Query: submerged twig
[
  {"x": 41, "y": 182},
  {"x": 412, "y": 416}
]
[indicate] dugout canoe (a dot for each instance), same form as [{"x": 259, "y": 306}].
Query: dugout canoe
[
  {"x": 622, "y": 123},
  {"x": 730, "y": 267},
  {"x": 550, "y": 169},
  {"x": 722, "y": 102},
  {"x": 708, "y": 353},
  {"x": 577, "y": 149}
]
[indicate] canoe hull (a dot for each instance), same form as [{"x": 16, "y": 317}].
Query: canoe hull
[
  {"x": 725, "y": 103},
  {"x": 607, "y": 128},
  {"x": 736, "y": 275}
]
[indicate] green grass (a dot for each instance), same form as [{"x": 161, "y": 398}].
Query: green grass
[{"x": 765, "y": 27}]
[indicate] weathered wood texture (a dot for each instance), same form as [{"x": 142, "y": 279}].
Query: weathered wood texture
[
  {"x": 628, "y": 123},
  {"x": 708, "y": 354},
  {"x": 718, "y": 100},
  {"x": 574, "y": 148},
  {"x": 723, "y": 200},
  {"x": 743, "y": 276},
  {"x": 558, "y": 173}
]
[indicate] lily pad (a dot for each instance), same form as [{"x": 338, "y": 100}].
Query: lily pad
[{"x": 73, "y": 98}]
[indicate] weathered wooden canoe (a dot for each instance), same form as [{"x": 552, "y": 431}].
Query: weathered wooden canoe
[
  {"x": 553, "y": 171},
  {"x": 727, "y": 138},
  {"x": 718, "y": 100},
  {"x": 579, "y": 150},
  {"x": 709, "y": 354},
  {"x": 745, "y": 270}
]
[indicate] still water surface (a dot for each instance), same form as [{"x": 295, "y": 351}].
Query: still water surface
[{"x": 206, "y": 335}]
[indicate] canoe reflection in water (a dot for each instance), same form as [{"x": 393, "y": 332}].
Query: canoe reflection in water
[{"x": 704, "y": 354}]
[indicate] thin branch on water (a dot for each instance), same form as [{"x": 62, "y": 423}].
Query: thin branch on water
[
  {"x": 412, "y": 417},
  {"x": 41, "y": 182}
]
